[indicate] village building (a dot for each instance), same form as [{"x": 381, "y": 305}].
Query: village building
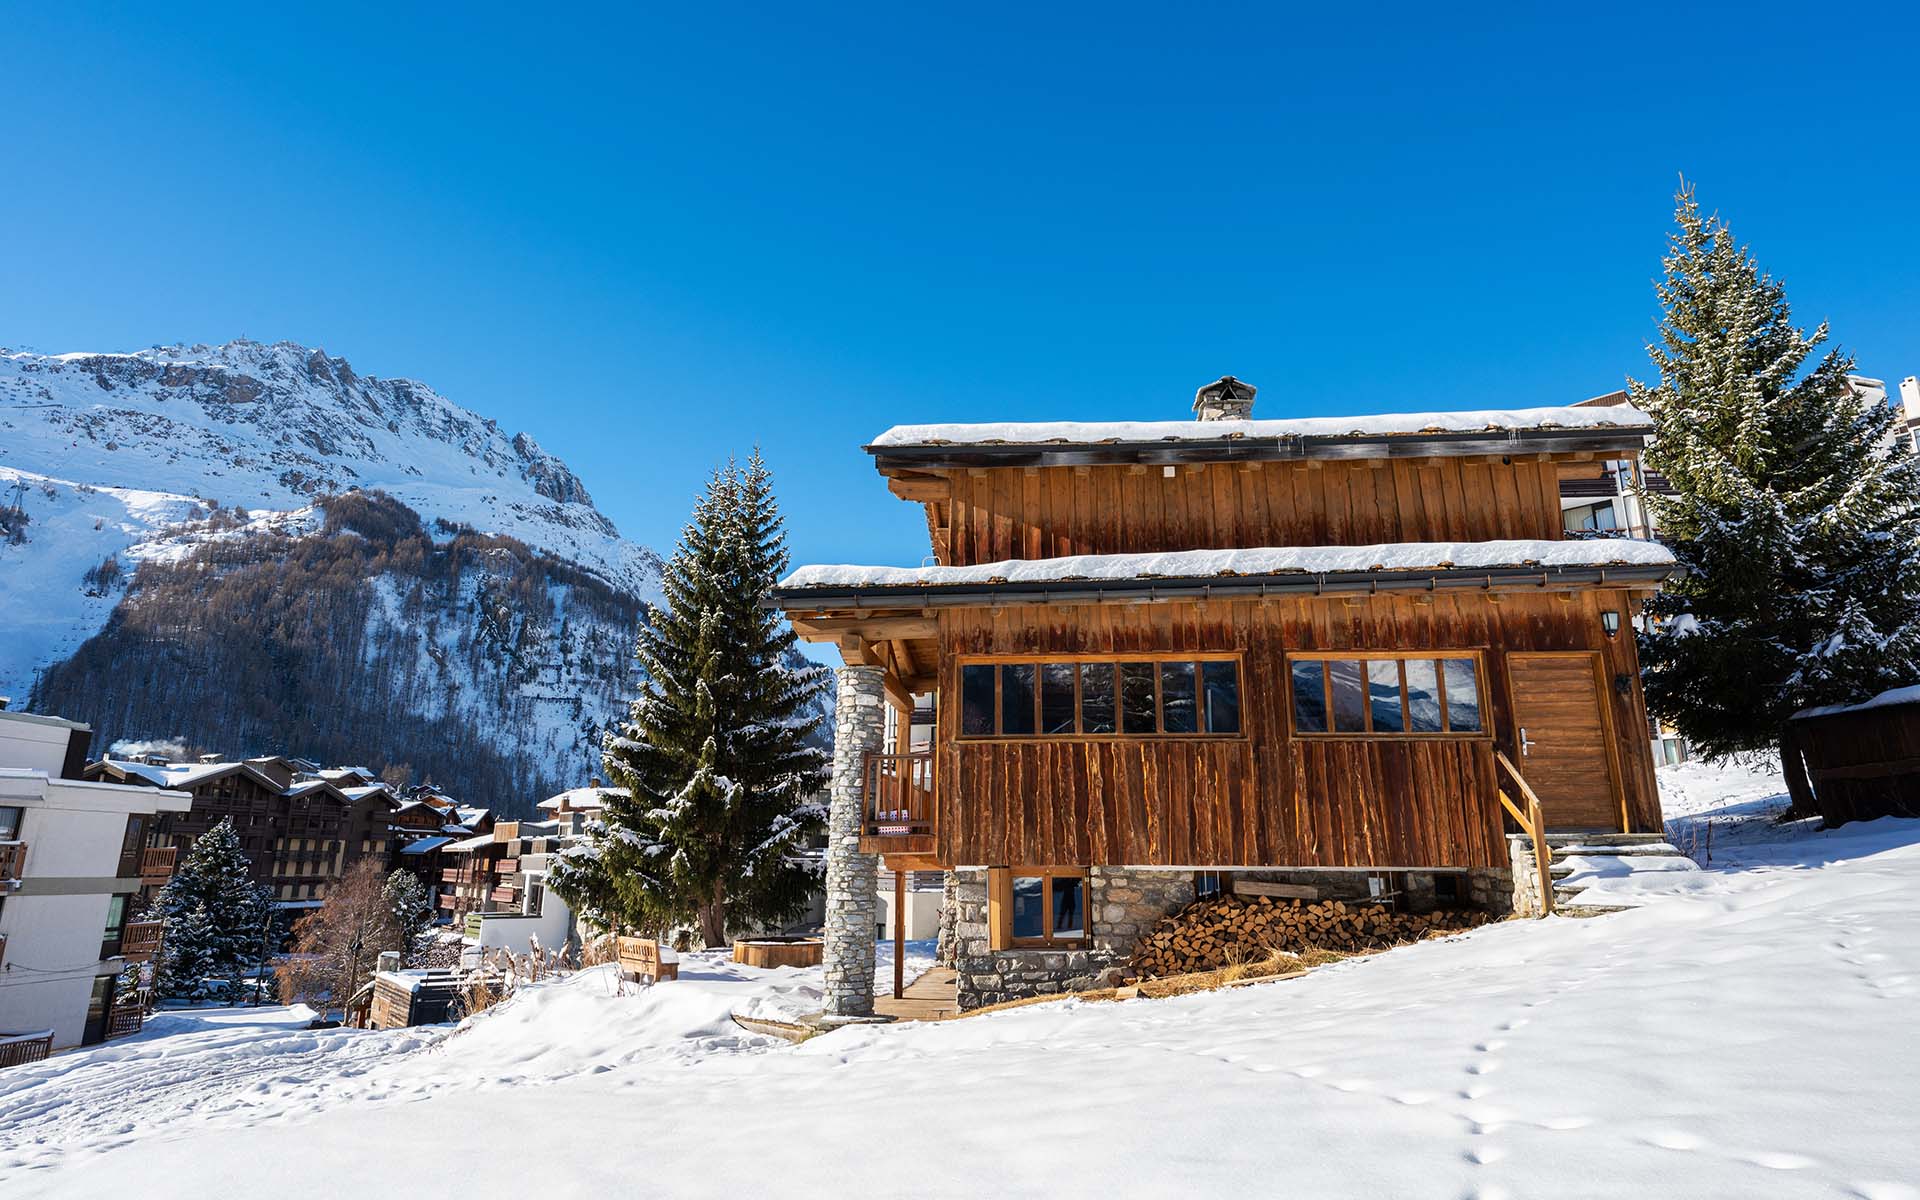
[
  {"x": 74, "y": 854},
  {"x": 300, "y": 827},
  {"x": 1355, "y": 653}
]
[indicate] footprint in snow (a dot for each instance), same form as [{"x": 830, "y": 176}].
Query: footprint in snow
[
  {"x": 1484, "y": 1155},
  {"x": 1674, "y": 1140},
  {"x": 1779, "y": 1161}
]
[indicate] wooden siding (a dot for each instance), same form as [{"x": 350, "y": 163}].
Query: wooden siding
[
  {"x": 1267, "y": 799},
  {"x": 1025, "y": 513}
]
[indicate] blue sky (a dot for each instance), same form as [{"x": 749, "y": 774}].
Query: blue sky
[{"x": 654, "y": 238}]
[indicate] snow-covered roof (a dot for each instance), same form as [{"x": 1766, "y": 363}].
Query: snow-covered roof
[
  {"x": 425, "y": 844},
  {"x": 1887, "y": 699},
  {"x": 1290, "y": 560},
  {"x": 470, "y": 814},
  {"x": 361, "y": 793},
  {"x": 581, "y": 798},
  {"x": 470, "y": 844},
  {"x": 1029, "y": 433},
  {"x": 182, "y": 775}
]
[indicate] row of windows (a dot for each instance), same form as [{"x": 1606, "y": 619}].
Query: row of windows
[
  {"x": 1331, "y": 694},
  {"x": 1096, "y": 699},
  {"x": 1386, "y": 695}
]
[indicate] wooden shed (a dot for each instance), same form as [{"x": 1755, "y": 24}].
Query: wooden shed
[{"x": 1862, "y": 761}]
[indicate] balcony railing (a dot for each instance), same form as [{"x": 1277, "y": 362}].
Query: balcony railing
[
  {"x": 899, "y": 795},
  {"x": 156, "y": 865},
  {"x": 13, "y": 861},
  {"x": 140, "y": 940},
  {"x": 17, "y": 1049}
]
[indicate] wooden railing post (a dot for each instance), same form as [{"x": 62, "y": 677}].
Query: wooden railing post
[{"x": 1534, "y": 822}]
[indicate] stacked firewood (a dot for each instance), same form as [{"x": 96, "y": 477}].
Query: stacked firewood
[{"x": 1228, "y": 930}]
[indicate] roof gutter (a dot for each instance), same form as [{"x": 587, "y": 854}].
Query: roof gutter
[
  {"x": 1216, "y": 587},
  {"x": 1290, "y": 448}
]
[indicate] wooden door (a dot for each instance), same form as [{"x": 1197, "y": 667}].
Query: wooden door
[{"x": 1561, "y": 738}]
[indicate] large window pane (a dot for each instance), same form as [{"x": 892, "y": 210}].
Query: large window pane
[
  {"x": 1383, "y": 694},
  {"x": 976, "y": 700},
  {"x": 1177, "y": 701},
  {"x": 1016, "y": 698},
  {"x": 1029, "y": 907},
  {"x": 1423, "y": 695},
  {"x": 1309, "y": 696},
  {"x": 1349, "y": 699},
  {"x": 1136, "y": 698},
  {"x": 1463, "y": 695},
  {"x": 1220, "y": 683},
  {"x": 1056, "y": 698},
  {"x": 1068, "y": 918},
  {"x": 1096, "y": 698}
]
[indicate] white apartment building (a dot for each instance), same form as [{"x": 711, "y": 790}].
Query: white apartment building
[{"x": 73, "y": 856}]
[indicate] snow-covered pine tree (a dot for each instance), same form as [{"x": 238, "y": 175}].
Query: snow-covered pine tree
[
  {"x": 1794, "y": 509},
  {"x": 412, "y": 907},
  {"x": 714, "y": 755},
  {"x": 215, "y": 916}
]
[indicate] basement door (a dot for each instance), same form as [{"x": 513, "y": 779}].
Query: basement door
[{"x": 1560, "y": 733}]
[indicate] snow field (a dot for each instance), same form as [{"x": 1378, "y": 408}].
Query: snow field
[{"x": 1748, "y": 1031}]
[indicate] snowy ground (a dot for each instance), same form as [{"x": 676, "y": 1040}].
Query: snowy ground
[{"x": 1748, "y": 1031}]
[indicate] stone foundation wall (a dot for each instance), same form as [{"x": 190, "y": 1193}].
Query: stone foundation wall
[
  {"x": 1523, "y": 881},
  {"x": 1123, "y": 903}
]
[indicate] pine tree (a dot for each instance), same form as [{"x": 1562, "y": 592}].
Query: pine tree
[
  {"x": 715, "y": 757},
  {"x": 1794, "y": 509},
  {"x": 412, "y": 907},
  {"x": 216, "y": 918}
]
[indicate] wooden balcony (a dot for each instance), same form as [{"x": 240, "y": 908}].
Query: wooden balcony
[
  {"x": 140, "y": 940},
  {"x": 506, "y": 894},
  {"x": 447, "y": 901},
  {"x": 898, "y": 797},
  {"x": 156, "y": 865},
  {"x": 13, "y": 861}
]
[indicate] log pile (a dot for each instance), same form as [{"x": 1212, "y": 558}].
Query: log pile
[{"x": 1227, "y": 930}]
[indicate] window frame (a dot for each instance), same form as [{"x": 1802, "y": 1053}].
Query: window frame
[
  {"x": 1406, "y": 732},
  {"x": 1000, "y": 881},
  {"x": 1116, "y": 661}
]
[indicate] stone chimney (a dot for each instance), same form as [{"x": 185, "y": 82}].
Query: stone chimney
[{"x": 1225, "y": 399}]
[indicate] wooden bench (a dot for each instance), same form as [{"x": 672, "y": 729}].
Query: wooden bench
[{"x": 646, "y": 957}]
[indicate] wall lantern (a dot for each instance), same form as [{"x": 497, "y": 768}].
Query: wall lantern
[{"x": 1610, "y": 621}]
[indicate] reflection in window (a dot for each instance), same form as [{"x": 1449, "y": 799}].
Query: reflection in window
[
  {"x": 1423, "y": 695},
  {"x": 1383, "y": 694},
  {"x": 1016, "y": 698},
  {"x": 1177, "y": 708},
  {"x": 1349, "y": 709},
  {"x": 1463, "y": 695},
  {"x": 1056, "y": 698},
  {"x": 1136, "y": 698},
  {"x": 1096, "y": 698},
  {"x": 1386, "y": 695},
  {"x": 1068, "y": 920},
  {"x": 1309, "y": 695},
  {"x": 1029, "y": 907},
  {"x": 1220, "y": 683},
  {"x": 976, "y": 699}
]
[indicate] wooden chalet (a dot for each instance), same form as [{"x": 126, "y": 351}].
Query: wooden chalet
[{"x": 1355, "y": 644}]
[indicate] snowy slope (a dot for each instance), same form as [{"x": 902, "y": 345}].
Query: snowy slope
[
  {"x": 116, "y": 449},
  {"x": 1747, "y": 1033}
]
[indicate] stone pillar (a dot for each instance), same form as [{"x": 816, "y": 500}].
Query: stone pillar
[
  {"x": 949, "y": 918},
  {"x": 859, "y": 725}
]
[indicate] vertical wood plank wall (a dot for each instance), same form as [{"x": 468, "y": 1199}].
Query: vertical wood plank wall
[
  {"x": 1010, "y": 512},
  {"x": 1268, "y": 799}
]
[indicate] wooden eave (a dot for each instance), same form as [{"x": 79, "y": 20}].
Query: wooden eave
[
  {"x": 913, "y": 469},
  {"x": 828, "y": 613}
]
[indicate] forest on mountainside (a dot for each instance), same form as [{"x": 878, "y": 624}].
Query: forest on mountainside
[{"x": 464, "y": 659}]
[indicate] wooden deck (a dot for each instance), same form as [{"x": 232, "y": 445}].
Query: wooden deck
[{"x": 935, "y": 996}]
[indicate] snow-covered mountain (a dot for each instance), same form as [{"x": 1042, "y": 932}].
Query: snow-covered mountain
[{"x": 492, "y": 597}]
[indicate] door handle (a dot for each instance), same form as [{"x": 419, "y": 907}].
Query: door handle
[{"x": 1526, "y": 743}]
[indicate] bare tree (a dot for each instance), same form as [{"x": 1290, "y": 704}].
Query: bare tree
[{"x": 336, "y": 946}]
